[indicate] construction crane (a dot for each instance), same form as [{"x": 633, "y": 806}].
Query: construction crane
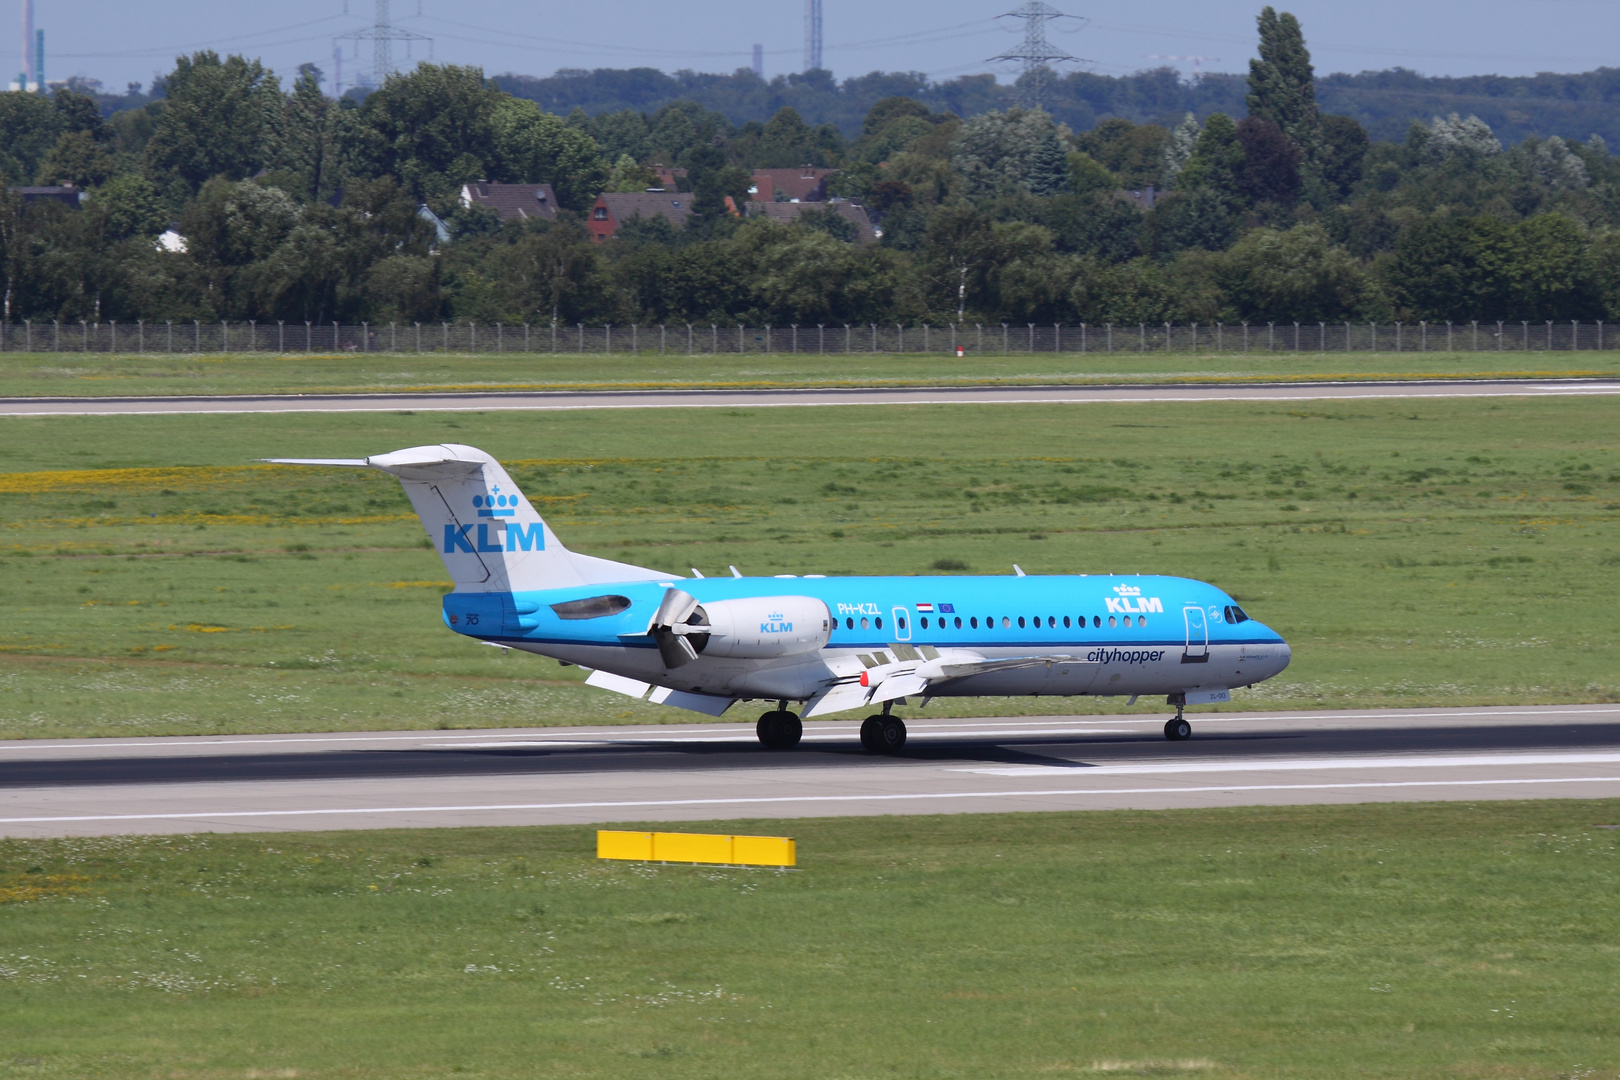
[{"x": 1196, "y": 61}]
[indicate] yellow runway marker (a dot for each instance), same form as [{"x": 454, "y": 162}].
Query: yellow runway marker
[{"x": 712, "y": 848}]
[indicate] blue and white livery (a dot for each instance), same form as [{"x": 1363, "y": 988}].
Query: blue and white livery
[{"x": 832, "y": 644}]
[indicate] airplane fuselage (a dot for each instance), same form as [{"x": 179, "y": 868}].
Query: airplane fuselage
[{"x": 1100, "y": 635}]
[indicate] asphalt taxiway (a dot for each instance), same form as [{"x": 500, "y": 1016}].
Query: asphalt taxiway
[
  {"x": 500, "y": 401},
  {"x": 715, "y": 770}
]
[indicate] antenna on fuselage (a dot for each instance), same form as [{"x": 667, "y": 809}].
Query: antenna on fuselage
[
  {"x": 1019, "y": 570},
  {"x": 696, "y": 572},
  {"x": 736, "y": 572}
]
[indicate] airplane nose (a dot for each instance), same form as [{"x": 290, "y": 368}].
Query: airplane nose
[{"x": 1284, "y": 655}]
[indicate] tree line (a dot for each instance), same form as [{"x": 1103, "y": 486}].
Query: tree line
[
  {"x": 1384, "y": 102},
  {"x": 295, "y": 206}
]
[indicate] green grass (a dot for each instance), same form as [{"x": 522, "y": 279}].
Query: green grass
[
  {"x": 155, "y": 581},
  {"x": 1401, "y": 940},
  {"x": 101, "y": 374}
]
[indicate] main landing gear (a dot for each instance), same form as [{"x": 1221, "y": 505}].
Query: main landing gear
[
  {"x": 883, "y": 734},
  {"x": 779, "y": 729},
  {"x": 1176, "y": 729}
]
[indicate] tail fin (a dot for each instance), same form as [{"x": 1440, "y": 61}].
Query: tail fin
[{"x": 489, "y": 536}]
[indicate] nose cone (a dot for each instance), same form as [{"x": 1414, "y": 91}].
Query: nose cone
[{"x": 1274, "y": 656}]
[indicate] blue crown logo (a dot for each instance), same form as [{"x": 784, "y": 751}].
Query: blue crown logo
[{"x": 495, "y": 505}]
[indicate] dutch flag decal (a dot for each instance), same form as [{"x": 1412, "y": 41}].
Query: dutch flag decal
[{"x": 925, "y": 608}]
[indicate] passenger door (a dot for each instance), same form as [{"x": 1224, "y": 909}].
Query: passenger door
[
  {"x": 902, "y": 624},
  {"x": 1197, "y": 635}
]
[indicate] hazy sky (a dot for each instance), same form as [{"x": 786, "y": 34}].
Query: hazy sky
[{"x": 131, "y": 40}]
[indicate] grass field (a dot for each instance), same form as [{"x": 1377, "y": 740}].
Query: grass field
[
  {"x": 1402, "y": 940},
  {"x": 155, "y": 581},
  {"x": 102, "y": 374}
]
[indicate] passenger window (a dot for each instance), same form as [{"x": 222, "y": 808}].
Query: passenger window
[
  {"x": 1051, "y": 621},
  {"x": 925, "y": 622},
  {"x": 1110, "y": 620},
  {"x": 901, "y": 622},
  {"x": 973, "y": 622},
  {"x": 959, "y": 622},
  {"x": 1096, "y": 620},
  {"x": 849, "y": 624},
  {"x": 1141, "y": 620},
  {"x": 864, "y": 623},
  {"x": 1065, "y": 622},
  {"x": 1020, "y": 622},
  {"x": 1006, "y": 622},
  {"x": 879, "y": 623}
]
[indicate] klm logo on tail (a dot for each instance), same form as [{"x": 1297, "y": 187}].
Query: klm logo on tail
[
  {"x": 498, "y": 537},
  {"x": 496, "y": 505},
  {"x": 495, "y": 538}
]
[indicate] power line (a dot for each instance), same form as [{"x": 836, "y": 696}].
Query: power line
[
  {"x": 171, "y": 50},
  {"x": 1037, "y": 53}
]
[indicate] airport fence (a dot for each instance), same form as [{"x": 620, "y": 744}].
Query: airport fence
[{"x": 712, "y": 339}]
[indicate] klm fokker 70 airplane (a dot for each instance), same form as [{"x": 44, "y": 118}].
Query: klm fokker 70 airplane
[{"x": 834, "y": 644}]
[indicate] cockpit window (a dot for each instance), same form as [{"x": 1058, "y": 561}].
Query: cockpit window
[
  {"x": 1235, "y": 614},
  {"x": 594, "y": 607}
]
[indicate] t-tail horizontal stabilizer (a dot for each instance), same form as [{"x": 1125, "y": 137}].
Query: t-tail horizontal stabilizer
[{"x": 488, "y": 535}]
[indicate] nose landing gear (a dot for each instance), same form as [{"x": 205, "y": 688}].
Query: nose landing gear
[
  {"x": 1176, "y": 729},
  {"x": 779, "y": 729}
]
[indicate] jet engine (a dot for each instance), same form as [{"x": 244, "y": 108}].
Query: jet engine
[
  {"x": 753, "y": 628},
  {"x": 760, "y": 628}
]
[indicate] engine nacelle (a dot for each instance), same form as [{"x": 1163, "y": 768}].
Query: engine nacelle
[{"x": 764, "y": 627}]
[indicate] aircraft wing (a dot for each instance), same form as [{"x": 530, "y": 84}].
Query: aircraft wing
[
  {"x": 918, "y": 676},
  {"x": 942, "y": 669}
]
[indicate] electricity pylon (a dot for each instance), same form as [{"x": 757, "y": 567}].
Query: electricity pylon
[
  {"x": 812, "y": 35},
  {"x": 382, "y": 34},
  {"x": 1037, "y": 53}
]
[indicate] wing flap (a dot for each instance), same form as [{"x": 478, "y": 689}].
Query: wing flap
[
  {"x": 899, "y": 686},
  {"x": 836, "y": 698},
  {"x": 606, "y": 680},
  {"x": 707, "y": 704}
]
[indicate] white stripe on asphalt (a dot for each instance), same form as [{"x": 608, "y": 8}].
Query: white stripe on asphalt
[
  {"x": 683, "y": 733},
  {"x": 783, "y": 799},
  {"x": 1013, "y": 396},
  {"x": 1431, "y": 761}
]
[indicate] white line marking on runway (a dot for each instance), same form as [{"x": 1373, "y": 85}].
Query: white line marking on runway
[
  {"x": 497, "y": 402},
  {"x": 782, "y": 799},
  {"x": 1433, "y": 761},
  {"x": 839, "y": 729}
]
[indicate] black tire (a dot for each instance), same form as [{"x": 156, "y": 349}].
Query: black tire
[
  {"x": 872, "y": 734},
  {"x": 1177, "y": 729},
  {"x": 789, "y": 730},
  {"x": 779, "y": 730},
  {"x": 893, "y": 735},
  {"x": 767, "y": 729}
]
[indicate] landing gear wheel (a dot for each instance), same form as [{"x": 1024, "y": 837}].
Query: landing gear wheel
[
  {"x": 779, "y": 730},
  {"x": 872, "y": 734},
  {"x": 1177, "y": 729},
  {"x": 789, "y": 731},
  {"x": 893, "y": 735}
]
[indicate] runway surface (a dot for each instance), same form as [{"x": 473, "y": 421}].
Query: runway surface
[
  {"x": 373, "y": 780},
  {"x": 731, "y": 399}
]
